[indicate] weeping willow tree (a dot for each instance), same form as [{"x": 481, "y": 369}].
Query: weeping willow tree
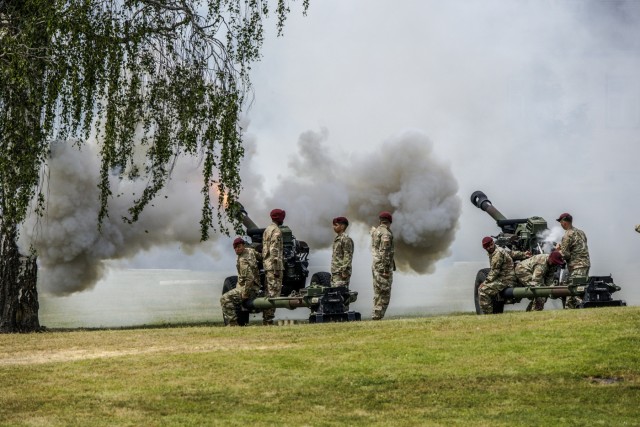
[{"x": 170, "y": 76}]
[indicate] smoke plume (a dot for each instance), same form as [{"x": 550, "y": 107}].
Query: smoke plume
[
  {"x": 70, "y": 247},
  {"x": 403, "y": 177}
]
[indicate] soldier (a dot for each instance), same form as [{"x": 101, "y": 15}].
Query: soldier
[
  {"x": 575, "y": 251},
  {"x": 638, "y": 228},
  {"x": 248, "y": 282},
  {"x": 383, "y": 266},
  {"x": 539, "y": 270},
  {"x": 342, "y": 254},
  {"x": 273, "y": 261},
  {"x": 501, "y": 275}
]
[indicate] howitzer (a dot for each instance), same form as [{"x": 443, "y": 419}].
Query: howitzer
[
  {"x": 516, "y": 234},
  {"x": 327, "y": 304},
  {"x": 527, "y": 235},
  {"x": 594, "y": 291}
]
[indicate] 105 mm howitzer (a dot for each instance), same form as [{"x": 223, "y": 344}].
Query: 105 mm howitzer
[
  {"x": 325, "y": 302},
  {"x": 526, "y": 235}
]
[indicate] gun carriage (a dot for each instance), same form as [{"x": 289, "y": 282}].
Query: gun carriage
[{"x": 526, "y": 234}]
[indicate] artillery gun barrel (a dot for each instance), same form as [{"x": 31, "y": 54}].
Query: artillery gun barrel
[
  {"x": 246, "y": 221},
  {"x": 480, "y": 200}
]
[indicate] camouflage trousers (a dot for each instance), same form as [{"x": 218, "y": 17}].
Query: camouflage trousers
[
  {"x": 273, "y": 286},
  {"x": 338, "y": 280},
  {"x": 381, "y": 294},
  {"x": 486, "y": 292},
  {"x": 574, "y": 302},
  {"x": 230, "y": 303}
]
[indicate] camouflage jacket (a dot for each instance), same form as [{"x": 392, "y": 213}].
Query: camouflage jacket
[
  {"x": 248, "y": 274},
  {"x": 342, "y": 255},
  {"x": 574, "y": 249},
  {"x": 501, "y": 266},
  {"x": 535, "y": 271},
  {"x": 382, "y": 249},
  {"x": 272, "y": 248}
]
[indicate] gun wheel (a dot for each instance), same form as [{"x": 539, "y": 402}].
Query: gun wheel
[
  {"x": 498, "y": 306},
  {"x": 321, "y": 278},
  {"x": 242, "y": 315}
]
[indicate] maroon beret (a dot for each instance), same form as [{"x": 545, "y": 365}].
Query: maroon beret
[
  {"x": 555, "y": 258},
  {"x": 565, "y": 216},
  {"x": 238, "y": 241},
  {"x": 486, "y": 242},
  {"x": 340, "y": 220},
  {"x": 385, "y": 215},
  {"x": 277, "y": 215}
]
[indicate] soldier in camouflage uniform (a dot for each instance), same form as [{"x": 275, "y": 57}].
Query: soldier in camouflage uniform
[
  {"x": 382, "y": 249},
  {"x": 248, "y": 282},
  {"x": 539, "y": 270},
  {"x": 342, "y": 254},
  {"x": 501, "y": 275},
  {"x": 575, "y": 251},
  {"x": 273, "y": 261}
]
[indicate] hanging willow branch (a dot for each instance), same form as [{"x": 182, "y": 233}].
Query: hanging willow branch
[{"x": 171, "y": 75}]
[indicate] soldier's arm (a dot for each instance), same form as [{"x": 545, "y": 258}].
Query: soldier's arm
[
  {"x": 565, "y": 245},
  {"x": 244, "y": 275},
  {"x": 496, "y": 264},
  {"x": 519, "y": 255},
  {"x": 347, "y": 250},
  {"x": 537, "y": 277},
  {"x": 386, "y": 253}
]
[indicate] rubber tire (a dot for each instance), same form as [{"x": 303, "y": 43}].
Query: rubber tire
[
  {"x": 321, "y": 278},
  {"x": 242, "y": 315},
  {"x": 498, "y": 306},
  {"x": 480, "y": 277},
  {"x": 229, "y": 283}
]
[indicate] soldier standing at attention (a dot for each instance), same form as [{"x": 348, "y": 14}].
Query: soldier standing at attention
[
  {"x": 273, "y": 261},
  {"x": 248, "y": 283},
  {"x": 383, "y": 266},
  {"x": 539, "y": 270},
  {"x": 501, "y": 275},
  {"x": 575, "y": 251},
  {"x": 342, "y": 254}
]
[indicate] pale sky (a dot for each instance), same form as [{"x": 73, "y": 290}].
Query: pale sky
[{"x": 537, "y": 103}]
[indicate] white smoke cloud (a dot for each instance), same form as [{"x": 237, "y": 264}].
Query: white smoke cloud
[
  {"x": 403, "y": 177},
  {"x": 70, "y": 247}
]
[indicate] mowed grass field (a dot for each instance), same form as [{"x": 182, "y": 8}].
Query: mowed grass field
[{"x": 551, "y": 368}]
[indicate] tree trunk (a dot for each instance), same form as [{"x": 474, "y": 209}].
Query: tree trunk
[{"x": 18, "y": 293}]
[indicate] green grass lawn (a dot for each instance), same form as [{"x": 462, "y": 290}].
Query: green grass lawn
[{"x": 551, "y": 368}]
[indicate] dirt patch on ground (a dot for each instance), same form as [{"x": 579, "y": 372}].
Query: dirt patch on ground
[{"x": 70, "y": 355}]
